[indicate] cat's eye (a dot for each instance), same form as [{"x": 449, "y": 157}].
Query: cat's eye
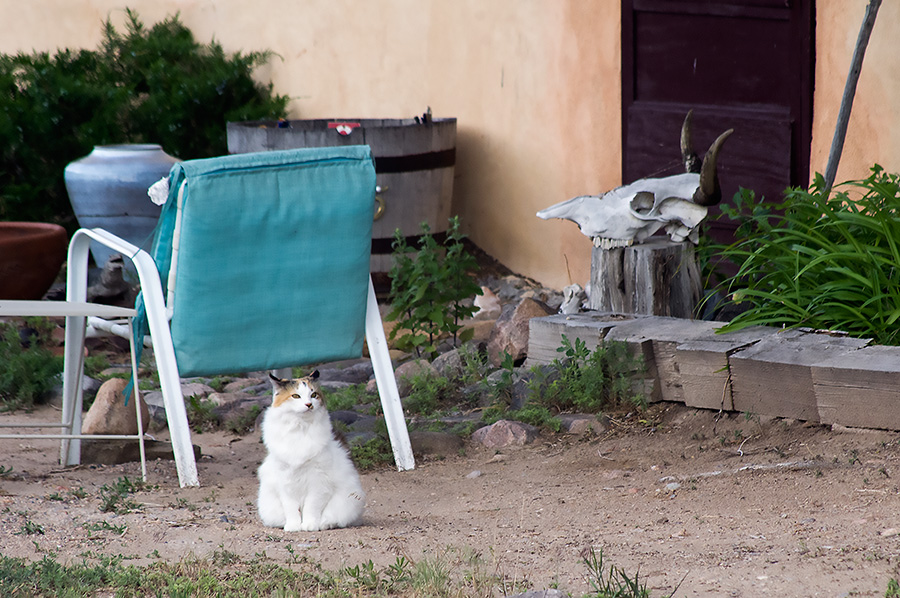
[
  {"x": 314, "y": 395},
  {"x": 295, "y": 396}
]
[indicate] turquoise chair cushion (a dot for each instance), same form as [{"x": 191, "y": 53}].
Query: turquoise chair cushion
[{"x": 273, "y": 263}]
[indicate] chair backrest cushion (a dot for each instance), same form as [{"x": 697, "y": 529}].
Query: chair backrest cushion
[{"x": 273, "y": 259}]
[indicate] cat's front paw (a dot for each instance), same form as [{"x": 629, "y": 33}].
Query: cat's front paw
[
  {"x": 310, "y": 526},
  {"x": 294, "y": 526}
]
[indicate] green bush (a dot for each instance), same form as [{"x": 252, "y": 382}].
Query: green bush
[
  {"x": 29, "y": 370},
  {"x": 146, "y": 85},
  {"x": 591, "y": 381},
  {"x": 822, "y": 261},
  {"x": 428, "y": 289}
]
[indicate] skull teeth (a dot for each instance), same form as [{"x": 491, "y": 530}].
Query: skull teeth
[{"x": 604, "y": 243}]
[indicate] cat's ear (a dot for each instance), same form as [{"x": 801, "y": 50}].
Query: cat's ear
[
  {"x": 314, "y": 375},
  {"x": 277, "y": 381}
]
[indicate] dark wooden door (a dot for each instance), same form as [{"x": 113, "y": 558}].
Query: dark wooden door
[{"x": 741, "y": 64}]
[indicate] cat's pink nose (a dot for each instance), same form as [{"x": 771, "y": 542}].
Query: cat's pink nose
[{"x": 309, "y": 405}]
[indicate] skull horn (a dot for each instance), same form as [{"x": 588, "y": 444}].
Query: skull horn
[
  {"x": 688, "y": 155},
  {"x": 709, "y": 193}
]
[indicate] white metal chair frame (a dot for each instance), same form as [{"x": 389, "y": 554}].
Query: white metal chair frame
[
  {"x": 81, "y": 315},
  {"x": 76, "y": 311}
]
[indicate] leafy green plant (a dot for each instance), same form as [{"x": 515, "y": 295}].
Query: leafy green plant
[
  {"x": 347, "y": 398},
  {"x": 428, "y": 289},
  {"x": 29, "y": 369},
  {"x": 430, "y": 392},
  {"x": 201, "y": 414},
  {"x": 373, "y": 453},
  {"x": 591, "y": 381},
  {"x": 823, "y": 260},
  {"x": 144, "y": 85},
  {"x": 893, "y": 589}
]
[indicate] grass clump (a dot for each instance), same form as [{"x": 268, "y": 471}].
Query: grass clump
[
  {"x": 116, "y": 499},
  {"x": 29, "y": 368},
  {"x": 614, "y": 583},
  {"x": 821, "y": 260}
]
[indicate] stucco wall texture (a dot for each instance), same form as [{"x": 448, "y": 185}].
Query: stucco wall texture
[{"x": 534, "y": 84}]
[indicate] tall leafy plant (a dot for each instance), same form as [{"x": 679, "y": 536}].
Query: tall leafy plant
[
  {"x": 429, "y": 287},
  {"x": 823, "y": 260},
  {"x": 144, "y": 85}
]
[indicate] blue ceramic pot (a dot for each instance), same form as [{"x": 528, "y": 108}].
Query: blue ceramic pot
[{"x": 108, "y": 189}]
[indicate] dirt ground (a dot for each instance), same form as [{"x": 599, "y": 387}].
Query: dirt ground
[{"x": 735, "y": 507}]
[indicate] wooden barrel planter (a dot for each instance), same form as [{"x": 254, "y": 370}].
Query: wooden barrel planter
[{"x": 414, "y": 163}]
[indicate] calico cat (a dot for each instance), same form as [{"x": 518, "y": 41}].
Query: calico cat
[{"x": 307, "y": 481}]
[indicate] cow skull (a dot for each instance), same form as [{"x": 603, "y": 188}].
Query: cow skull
[{"x": 634, "y": 212}]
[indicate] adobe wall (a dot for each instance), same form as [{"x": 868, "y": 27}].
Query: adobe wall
[{"x": 535, "y": 86}]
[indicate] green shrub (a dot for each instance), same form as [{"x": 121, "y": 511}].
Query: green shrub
[
  {"x": 29, "y": 370},
  {"x": 591, "y": 381},
  {"x": 428, "y": 288},
  {"x": 823, "y": 261},
  {"x": 146, "y": 85}
]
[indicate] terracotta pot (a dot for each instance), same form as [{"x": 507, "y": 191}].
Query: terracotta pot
[{"x": 31, "y": 254}]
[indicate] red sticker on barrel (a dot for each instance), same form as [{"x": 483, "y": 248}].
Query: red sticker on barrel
[{"x": 343, "y": 128}]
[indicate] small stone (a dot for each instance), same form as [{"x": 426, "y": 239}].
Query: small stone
[
  {"x": 672, "y": 486},
  {"x": 488, "y": 305},
  {"x": 474, "y": 474},
  {"x": 505, "y": 433},
  {"x": 449, "y": 364},
  {"x": 196, "y": 389},
  {"x": 581, "y": 424},
  {"x": 890, "y": 532}
]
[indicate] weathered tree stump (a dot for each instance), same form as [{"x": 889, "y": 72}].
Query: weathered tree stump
[{"x": 659, "y": 278}]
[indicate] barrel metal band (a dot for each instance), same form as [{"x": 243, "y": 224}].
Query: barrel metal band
[{"x": 414, "y": 162}]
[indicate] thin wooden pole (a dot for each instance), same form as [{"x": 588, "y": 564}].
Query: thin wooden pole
[{"x": 840, "y": 130}]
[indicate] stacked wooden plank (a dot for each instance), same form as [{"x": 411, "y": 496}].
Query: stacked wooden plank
[{"x": 809, "y": 375}]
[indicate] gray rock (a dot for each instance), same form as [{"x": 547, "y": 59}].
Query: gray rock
[
  {"x": 247, "y": 386},
  {"x": 510, "y": 333},
  {"x": 355, "y": 372},
  {"x": 345, "y": 416},
  {"x": 435, "y": 443},
  {"x": 110, "y": 415},
  {"x": 234, "y": 415},
  {"x": 407, "y": 371},
  {"x": 335, "y": 385},
  {"x": 449, "y": 364},
  {"x": 364, "y": 423},
  {"x": 505, "y": 433},
  {"x": 582, "y": 423},
  {"x": 196, "y": 389}
]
